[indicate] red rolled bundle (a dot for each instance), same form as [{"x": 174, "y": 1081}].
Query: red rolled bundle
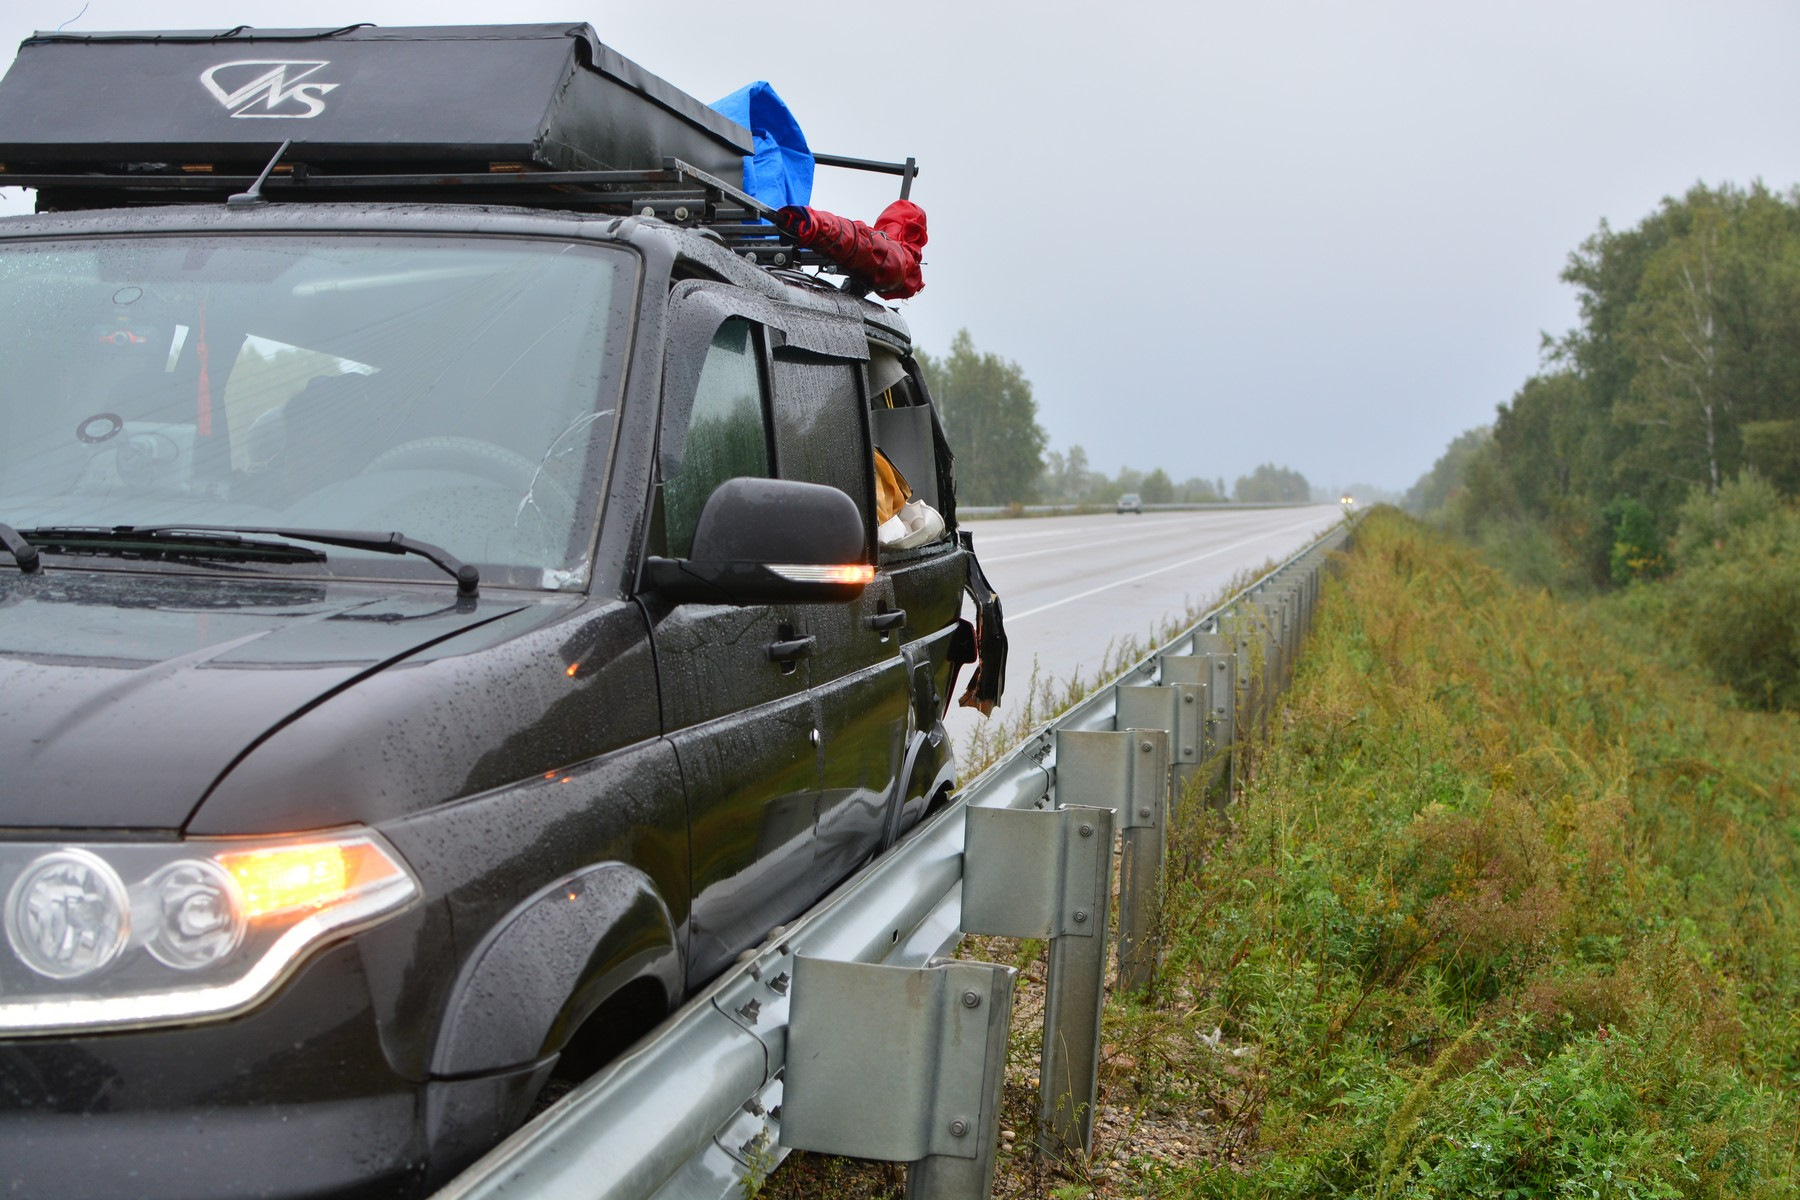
[{"x": 885, "y": 257}]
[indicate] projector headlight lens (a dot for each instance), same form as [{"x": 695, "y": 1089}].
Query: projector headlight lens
[
  {"x": 67, "y": 915},
  {"x": 198, "y": 917}
]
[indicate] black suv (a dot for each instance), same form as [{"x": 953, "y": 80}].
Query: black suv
[{"x": 435, "y": 638}]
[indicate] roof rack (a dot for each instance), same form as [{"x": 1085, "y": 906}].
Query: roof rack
[{"x": 543, "y": 116}]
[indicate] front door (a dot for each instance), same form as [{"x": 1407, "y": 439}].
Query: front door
[{"x": 736, "y": 700}]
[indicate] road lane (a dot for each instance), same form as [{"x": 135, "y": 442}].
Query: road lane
[{"x": 1074, "y": 587}]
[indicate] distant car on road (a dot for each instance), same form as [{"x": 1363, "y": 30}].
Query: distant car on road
[{"x": 1130, "y": 503}]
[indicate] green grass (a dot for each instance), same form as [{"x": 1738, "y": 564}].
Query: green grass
[{"x": 1508, "y": 910}]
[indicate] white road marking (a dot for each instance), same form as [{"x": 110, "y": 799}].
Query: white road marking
[
  {"x": 1064, "y": 547},
  {"x": 987, "y": 538},
  {"x": 1012, "y": 618}
]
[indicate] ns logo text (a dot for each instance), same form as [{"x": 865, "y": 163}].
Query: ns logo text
[{"x": 268, "y": 88}]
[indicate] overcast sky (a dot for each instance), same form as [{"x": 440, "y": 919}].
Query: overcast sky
[{"x": 1324, "y": 235}]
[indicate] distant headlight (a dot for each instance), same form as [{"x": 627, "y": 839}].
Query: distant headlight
[{"x": 206, "y": 927}]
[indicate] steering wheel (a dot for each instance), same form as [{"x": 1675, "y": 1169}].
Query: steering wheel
[{"x": 472, "y": 456}]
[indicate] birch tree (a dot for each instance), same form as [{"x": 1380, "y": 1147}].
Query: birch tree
[{"x": 1674, "y": 334}]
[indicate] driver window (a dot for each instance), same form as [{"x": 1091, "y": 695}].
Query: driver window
[
  {"x": 727, "y": 432},
  {"x": 820, "y": 436}
]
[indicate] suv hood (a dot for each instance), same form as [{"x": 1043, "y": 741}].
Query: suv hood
[{"x": 124, "y": 697}]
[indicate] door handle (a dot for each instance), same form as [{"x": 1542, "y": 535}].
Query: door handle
[
  {"x": 882, "y": 622},
  {"x": 792, "y": 649}
]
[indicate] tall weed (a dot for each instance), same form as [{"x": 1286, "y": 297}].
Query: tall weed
[{"x": 1507, "y": 911}]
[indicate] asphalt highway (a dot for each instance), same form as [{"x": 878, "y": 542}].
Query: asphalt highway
[{"x": 1072, "y": 588}]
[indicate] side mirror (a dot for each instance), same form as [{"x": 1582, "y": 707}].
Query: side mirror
[{"x": 769, "y": 541}]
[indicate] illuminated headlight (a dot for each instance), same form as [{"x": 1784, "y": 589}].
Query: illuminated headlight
[{"x": 131, "y": 934}]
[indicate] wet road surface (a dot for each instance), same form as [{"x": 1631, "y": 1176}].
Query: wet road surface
[{"x": 1074, "y": 587}]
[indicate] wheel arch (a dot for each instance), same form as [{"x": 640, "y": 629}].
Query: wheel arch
[{"x": 554, "y": 961}]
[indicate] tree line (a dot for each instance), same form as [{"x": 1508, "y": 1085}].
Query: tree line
[
  {"x": 1661, "y": 440},
  {"x": 1003, "y": 455},
  {"x": 1683, "y": 372}
]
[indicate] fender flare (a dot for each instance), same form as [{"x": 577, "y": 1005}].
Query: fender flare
[{"x": 550, "y": 963}]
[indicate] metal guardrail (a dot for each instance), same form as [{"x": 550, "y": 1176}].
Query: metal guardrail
[
  {"x": 847, "y": 1032},
  {"x": 985, "y": 511}
]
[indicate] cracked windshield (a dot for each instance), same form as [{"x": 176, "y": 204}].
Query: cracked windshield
[{"x": 459, "y": 392}]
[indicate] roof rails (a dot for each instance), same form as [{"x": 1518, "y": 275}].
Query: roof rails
[
  {"x": 543, "y": 116},
  {"x": 676, "y": 192}
]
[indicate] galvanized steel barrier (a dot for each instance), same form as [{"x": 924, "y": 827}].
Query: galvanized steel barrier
[
  {"x": 848, "y": 1032},
  {"x": 984, "y": 511}
]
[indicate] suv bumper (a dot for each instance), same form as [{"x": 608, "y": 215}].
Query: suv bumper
[{"x": 294, "y": 1100}]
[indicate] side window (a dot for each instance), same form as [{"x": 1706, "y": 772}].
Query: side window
[
  {"x": 727, "y": 432},
  {"x": 820, "y": 430}
]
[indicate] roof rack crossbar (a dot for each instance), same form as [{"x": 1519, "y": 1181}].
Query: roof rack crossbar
[
  {"x": 676, "y": 180},
  {"x": 907, "y": 171},
  {"x": 677, "y": 192}
]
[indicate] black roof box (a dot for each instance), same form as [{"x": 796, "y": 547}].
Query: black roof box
[{"x": 465, "y": 98}]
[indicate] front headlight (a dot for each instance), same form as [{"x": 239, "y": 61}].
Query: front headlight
[
  {"x": 102, "y": 936},
  {"x": 66, "y": 915}
]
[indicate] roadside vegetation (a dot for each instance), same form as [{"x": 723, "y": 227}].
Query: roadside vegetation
[
  {"x": 1508, "y": 910},
  {"x": 1657, "y": 453},
  {"x": 1683, "y": 372},
  {"x": 1730, "y": 604}
]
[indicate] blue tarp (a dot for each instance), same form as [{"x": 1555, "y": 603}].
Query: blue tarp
[{"x": 781, "y": 170}]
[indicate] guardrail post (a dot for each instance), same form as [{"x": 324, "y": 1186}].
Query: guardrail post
[
  {"x": 900, "y": 1064},
  {"x": 1215, "y": 675},
  {"x": 1179, "y": 710},
  {"x": 1031, "y": 873},
  {"x": 1290, "y": 604},
  {"x": 1274, "y": 665},
  {"x": 1290, "y": 626},
  {"x": 1275, "y": 612},
  {"x": 1233, "y": 699},
  {"x": 1221, "y": 724},
  {"x": 1127, "y": 771}
]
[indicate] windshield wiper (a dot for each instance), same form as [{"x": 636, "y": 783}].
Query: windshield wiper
[
  {"x": 224, "y": 541},
  {"x": 23, "y": 552},
  {"x": 146, "y": 542}
]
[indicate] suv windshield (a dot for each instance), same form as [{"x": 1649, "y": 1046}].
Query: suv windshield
[{"x": 460, "y": 391}]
